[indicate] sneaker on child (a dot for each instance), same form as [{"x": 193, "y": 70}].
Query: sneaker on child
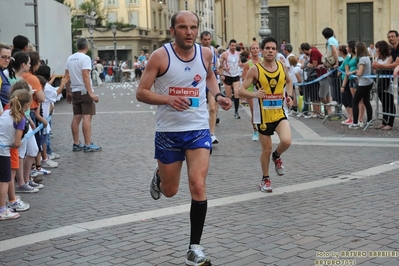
[
  {"x": 26, "y": 188},
  {"x": 33, "y": 184},
  {"x": 19, "y": 206},
  {"x": 53, "y": 156},
  {"x": 43, "y": 171},
  {"x": 8, "y": 215},
  {"x": 49, "y": 163}
]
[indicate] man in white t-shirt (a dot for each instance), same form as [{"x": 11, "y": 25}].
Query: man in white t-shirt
[{"x": 80, "y": 93}]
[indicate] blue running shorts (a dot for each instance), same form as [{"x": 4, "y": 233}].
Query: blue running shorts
[{"x": 171, "y": 147}]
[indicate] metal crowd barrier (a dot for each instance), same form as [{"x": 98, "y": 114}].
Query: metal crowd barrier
[
  {"x": 313, "y": 87},
  {"x": 386, "y": 92}
]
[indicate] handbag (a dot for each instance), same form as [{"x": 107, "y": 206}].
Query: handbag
[{"x": 328, "y": 59}]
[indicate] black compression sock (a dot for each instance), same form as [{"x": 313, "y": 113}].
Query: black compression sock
[
  {"x": 197, "y": 220},
  {"x": 236, "y": 104},
  {"x": 265, "y": 177}
]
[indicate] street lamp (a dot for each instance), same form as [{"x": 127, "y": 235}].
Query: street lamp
[
  {"x": 264, "y": 13},
  {"x": 113, "y": 28},
  {"x": 90, "y": 21}
]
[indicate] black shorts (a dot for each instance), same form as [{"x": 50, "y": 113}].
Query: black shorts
[
  {"x": 5, "y": 169},
  {"x": 270, "y": 127},
  {"x": 230, "y": 80}
]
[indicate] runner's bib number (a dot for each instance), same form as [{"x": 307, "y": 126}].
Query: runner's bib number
[
  {"x": 192, "y": 95},
  {"x": 271, "y": 101}
]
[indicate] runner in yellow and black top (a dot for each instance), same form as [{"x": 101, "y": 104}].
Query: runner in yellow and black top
[{"x": 270, "y": 81}]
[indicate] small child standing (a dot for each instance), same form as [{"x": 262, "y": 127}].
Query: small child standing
[
  {"x": 51, "y": 94},
  {"x": 12, "y": 126}
]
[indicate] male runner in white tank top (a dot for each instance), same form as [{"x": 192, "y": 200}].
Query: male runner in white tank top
[
  {"x": 229, "y": 61},
  {"x": 180, "y": 72}
]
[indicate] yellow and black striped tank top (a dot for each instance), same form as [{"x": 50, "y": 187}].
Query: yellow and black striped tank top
[{"x": 271, "y": 108}]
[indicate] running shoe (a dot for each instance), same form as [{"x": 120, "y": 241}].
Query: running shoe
[
  {"x": 278, "y": 166},
  {"x": 195, "y": 256},
  {"x": 33, "y": 173},
  {"x": 19, "y": 206},
  {"x": 54, "y": 156},
  {"x": 266, "y": 185},
  {"x": 237, "y": 116},
  {"x": 354, "y": 126},
  {"x": 33, "y": 184},
  {"x": 43, "y": 171},
  {"x": 91, "y": 148},
  {"x": 8, "y": 215},
  {"x": 255, "y": 136},
  {"x": 154, "y": 189},
  {"x": 26, "y": 188},
  {"x": 49, "y": 163},
  {"x": 347, "y": 122},
  {"x": 214, "y": 139},
  {"x": 77, "y": 147}
]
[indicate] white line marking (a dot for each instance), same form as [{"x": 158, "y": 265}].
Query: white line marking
[{"x": 142, "y": 216}]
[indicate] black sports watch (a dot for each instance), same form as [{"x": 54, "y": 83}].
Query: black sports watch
[{"x": 219, "y": 94}]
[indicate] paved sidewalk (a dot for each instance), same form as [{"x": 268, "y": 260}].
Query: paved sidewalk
[{"x": 338, "y": 194}]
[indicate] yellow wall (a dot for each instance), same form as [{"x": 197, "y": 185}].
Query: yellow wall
[{"x": 307, "y": 19}]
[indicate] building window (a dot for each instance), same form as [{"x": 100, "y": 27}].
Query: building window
[
  {"x": 132, "y": 2},
  {"x": 112, "y": 3},
  {"x": 112, "y": 17},
  {"x": 155, "y": 20},
  {"x": 134, "y": 18}
]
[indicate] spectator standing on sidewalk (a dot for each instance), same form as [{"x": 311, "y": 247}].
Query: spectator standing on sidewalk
[
  {"x": 393, "y": 40},
  {"x": 383, "y": 57},
  {"x": 364, "y": 85},
  {"x": 270, "y": 77},
  {"x": 12, "y": 126},
  {"x": 5, "y": 86},
  {"x": 182, "y": 127},
  {"x": 80, "y": 93}
]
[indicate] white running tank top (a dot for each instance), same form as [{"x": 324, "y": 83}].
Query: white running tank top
[
  {"x": 232, "y": 62},
  {"x": 183, "y": 78}
]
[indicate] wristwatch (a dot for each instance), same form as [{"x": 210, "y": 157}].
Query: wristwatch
[{"x": 219, "y": 94}]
